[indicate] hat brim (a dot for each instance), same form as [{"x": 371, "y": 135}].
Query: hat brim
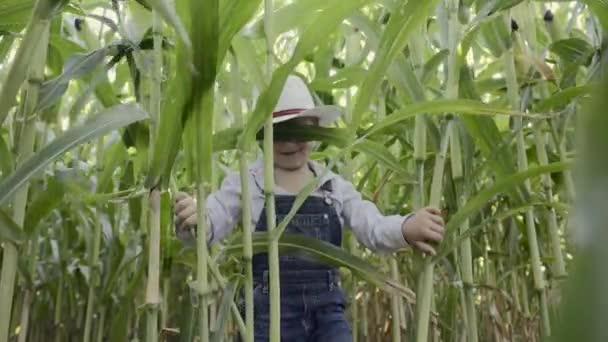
[{"x": 326, "y": 114}]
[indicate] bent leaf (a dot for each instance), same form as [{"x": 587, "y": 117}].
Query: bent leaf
[
  {"x": 102, "y": 123},
  {"x": 329, "y": 254},
  {"x": 478, "y": 201},
  {"x": 400, "y": 26},
  {"x": 466, "y": 107},
  {"x": 9, "y": 230}
]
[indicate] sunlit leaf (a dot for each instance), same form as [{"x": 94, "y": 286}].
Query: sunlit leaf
[{"x": 100, "y": 124}]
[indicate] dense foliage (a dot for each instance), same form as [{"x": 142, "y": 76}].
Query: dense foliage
[{"x": 107, "y": 108}]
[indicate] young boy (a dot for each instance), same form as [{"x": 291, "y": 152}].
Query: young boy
[{"x": 312, "y": 304}]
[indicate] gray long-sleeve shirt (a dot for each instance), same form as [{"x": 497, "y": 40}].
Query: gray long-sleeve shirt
[{"x": 376, "y": 231}]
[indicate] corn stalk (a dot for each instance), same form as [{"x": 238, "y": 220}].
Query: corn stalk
[
  {"x": 37, "y": 28},
  {"x": 559, "y": 267},
  {"x": 154, "y": 225},
  {"x": 25, "y": 149},
  {"x": 94, "y": 264},
  {"x": 246, "y": 205},
  {"x": 522, "y": 164},
  {"x": 425, "y": 291},
  {"x": 424, "y": 294},
  {"x": 273, "y": 243},
  {"x": 457, "y": 168}
]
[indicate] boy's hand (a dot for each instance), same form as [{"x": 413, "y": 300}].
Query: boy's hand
[
  {"x": 185, "y": 213},
  {"x": 424, "y": 228}
]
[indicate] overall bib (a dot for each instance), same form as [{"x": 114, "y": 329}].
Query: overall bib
[{"x": 312, "y": 303}]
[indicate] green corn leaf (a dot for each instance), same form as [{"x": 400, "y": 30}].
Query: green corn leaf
[
  {"x": 247, "y": 58},
  {"x": 14, "y": 14},
  {"x": 401, "y": 25},
  {"x": 42, "y": 204},
  {"x": 287, "y": 18},
  {"x": 234, "y": 14},
  {"x": 114, "y": 157},
  {"x": 453, "y": 239},
  {"x": 167, "y": 11},
  {"x": 100, "y": 124},
  {"x": 589, "y": 277},
  {"x": 223, "y": 312},
  {"x": 180, "y": 107},
  {"x": 6, "y": 43},
  {"x": 431, "y": 66},
  {"x": 205, "y": 56},
  {"x": 344, "y": 78},
  {"x": 562, "y": 98},
  {"x": 466, "y": 107},
  {"x": 175, "y": 114},
  {"x": 78, "y": 65},
  {"x": 17, "y": 72},
  {"x": 600, "y": 9},
  {"x": 496, "y": 35},
  {"x": 573, "y": 50},
  {"x": 476, "y": 202},
  {"x": 329, "y": 254},
  {"x": 383, "y": 156},
  {"x": 6, "y": 162},
  {"x": 9, "y": 230}
]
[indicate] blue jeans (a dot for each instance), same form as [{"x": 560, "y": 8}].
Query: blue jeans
[{"x": 312, "y": 307}]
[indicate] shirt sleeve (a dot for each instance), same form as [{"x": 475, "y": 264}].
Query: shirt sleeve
[
  {"x": 223, "y": 211},
  {"x": 224, "y": 207},
  {"x": 375, "y": 231}
]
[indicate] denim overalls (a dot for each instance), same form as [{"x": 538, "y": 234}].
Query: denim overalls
[{"x": 312, "y": 303}]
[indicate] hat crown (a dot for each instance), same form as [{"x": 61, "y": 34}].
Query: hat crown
[{"x": 295, "y": 95}]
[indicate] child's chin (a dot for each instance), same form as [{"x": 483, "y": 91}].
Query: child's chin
[{"x": 292, "y": 164}]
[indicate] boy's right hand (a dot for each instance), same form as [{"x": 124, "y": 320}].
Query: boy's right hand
[
  {"x": 185, "y": 214},
  {"x": 424, "y": 229}
]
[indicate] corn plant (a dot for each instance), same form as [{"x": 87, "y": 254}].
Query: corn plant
[{"x": 488, "y": 109}]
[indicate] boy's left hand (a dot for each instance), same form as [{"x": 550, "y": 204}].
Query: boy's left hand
[{"x": 424, "y": 228}]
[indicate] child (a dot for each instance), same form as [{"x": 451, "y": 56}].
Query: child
[{"x": 312, "y": 304}]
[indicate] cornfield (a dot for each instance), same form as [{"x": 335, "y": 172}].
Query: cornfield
[{"x": 492, "y": 110}]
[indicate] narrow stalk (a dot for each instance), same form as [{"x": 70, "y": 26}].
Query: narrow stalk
[
  {"x": 365, "y": 316},
  {"x": 94, "y": 266},
  {"x": 32, "y": 90},
  {"x": 394, "y": 268},
  {"x": 152, "y": 288},
  {"x": 350, "y": 59},
  {"x": 238, "y": 319},
  {"x": 100, "y": 324},
  {"x": 559, "y": 267},
  {"x": 25, "y": 149},
  {"x": 466, "y": 258},
  {"x": 522, "y": 161},
  {"x": 154, "y": 232},
  {"x": 164, "y": 311},
  {"x": 425, "y": 289},
  {"x": 395, "y": 307},
  {"x": 25, "y": 314},
  {"x": 33, "y": 40},
  {"x": 246, "y": 206},
  {"x": 417, "y": 45},
  {"x": 58, "y": 306},
  {"x": 202, "y": 254},
  {"x": 273, "y": 243},
  {"x": 355, "y": 290}
]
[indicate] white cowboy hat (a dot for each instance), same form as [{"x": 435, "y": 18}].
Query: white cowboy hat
[{"x": 297, "y": 102}]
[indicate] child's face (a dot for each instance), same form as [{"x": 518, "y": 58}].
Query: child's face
[{"x": 293, "y": 155}]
